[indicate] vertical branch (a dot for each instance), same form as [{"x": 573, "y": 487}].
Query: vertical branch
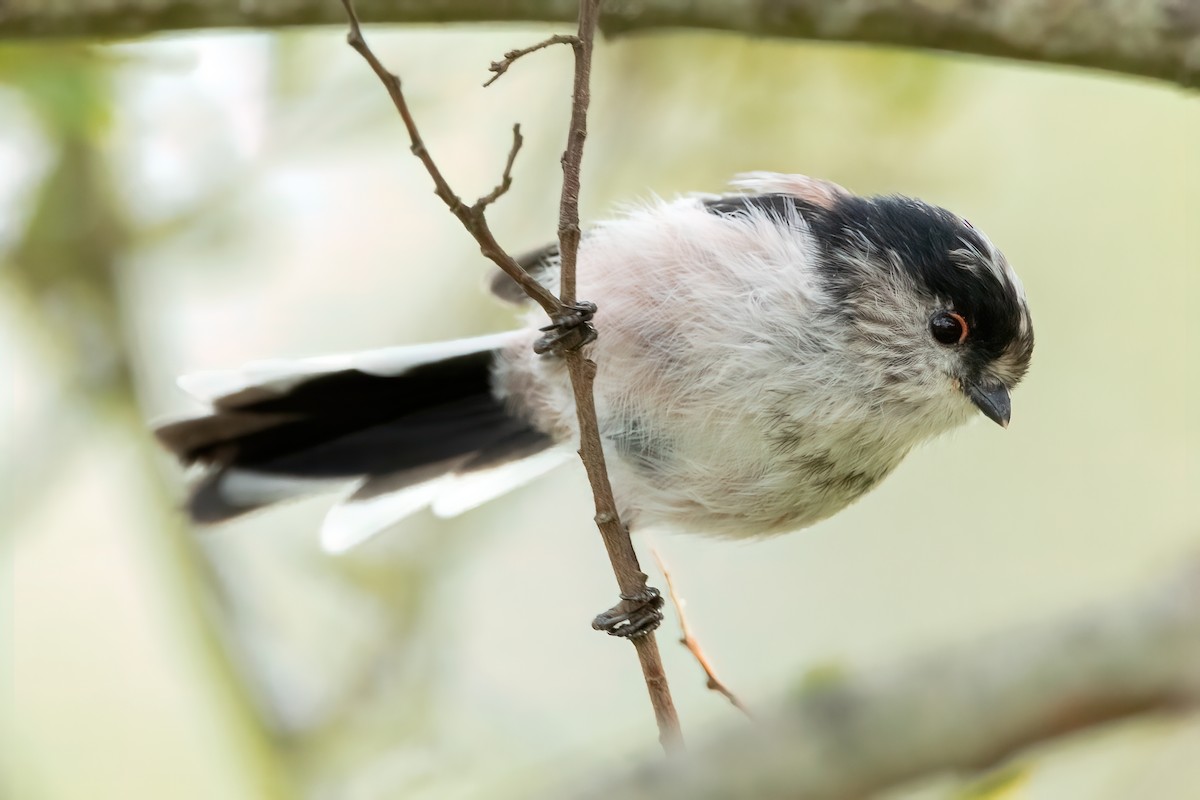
[
  {"x": 572, "y": 157},
  {"x": 630, "y": 578}
]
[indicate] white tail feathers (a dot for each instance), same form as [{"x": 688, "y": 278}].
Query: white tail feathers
[
  {"x": 366, "y": 513},
  {"x": 245, "y": 488},
  {"x": 462, "y": 492},
  {"x": 405, "y": 427},
  {"x": 280, "y": 375},
  {"x": 353, "y": 521}
]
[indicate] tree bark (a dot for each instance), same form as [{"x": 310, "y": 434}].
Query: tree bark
[{"x": 1153, "y": 38}]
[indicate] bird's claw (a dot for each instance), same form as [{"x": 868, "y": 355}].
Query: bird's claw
[
  {"x": 570, "y": 329},
  {"x": 634, "y": 617}
]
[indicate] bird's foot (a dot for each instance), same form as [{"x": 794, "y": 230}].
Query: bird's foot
[
  {"x": 634, "y": 617},
  {"x": 570, "y": 329}
]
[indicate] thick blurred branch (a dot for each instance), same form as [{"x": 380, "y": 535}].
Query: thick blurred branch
[
  {"x": 1154, "y": 38},
  {"x": 964, "y": 709},
  {"x": 65, "y": 277}
]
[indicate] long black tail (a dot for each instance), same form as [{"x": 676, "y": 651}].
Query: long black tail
[{"x": 392, "y": 419}]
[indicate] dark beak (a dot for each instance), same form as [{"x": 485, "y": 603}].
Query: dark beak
[{"x": 993, "y": 400}]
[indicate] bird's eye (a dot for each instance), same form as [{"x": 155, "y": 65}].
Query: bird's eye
[{"x": 949, "y": 328}]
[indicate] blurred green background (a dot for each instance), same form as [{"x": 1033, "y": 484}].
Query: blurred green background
[{"x": 192, "y": 202}]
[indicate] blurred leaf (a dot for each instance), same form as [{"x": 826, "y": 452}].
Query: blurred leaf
[
  {"x": 1006, "y": 783},
  {"x": 67, "y": 85},
  {"x": 821, "y": 677}
]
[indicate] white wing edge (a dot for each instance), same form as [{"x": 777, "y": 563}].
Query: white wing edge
[
  {"x": 352, "y": 522},
  {"x": 460, "y": 493},
  {"x": 244, "y": 488},
  {"x": 280, "y": 375}
]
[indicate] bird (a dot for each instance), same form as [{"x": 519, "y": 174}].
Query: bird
[{"x": 765, "y": 356}]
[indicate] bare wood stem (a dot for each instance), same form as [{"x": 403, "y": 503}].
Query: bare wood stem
[
  {"x": 688, "y": 639},
  {"x": 630, "y": 578},
  {"x": 472, "y": 217},
  {"x": 501, "y": 67},
  {"x": 505, "y": 177}
]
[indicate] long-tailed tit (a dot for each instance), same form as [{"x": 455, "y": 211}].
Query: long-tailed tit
[{"x": 764, "y": 358}]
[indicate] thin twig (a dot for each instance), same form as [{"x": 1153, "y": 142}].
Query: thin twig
[
  {"x": 472, "y": 217},
  {"x": 689, "y": 640},
  {"x": 630, "y": 578},
  {"x": 505, "y": 178},
  {"x": 501, "y": 67}
]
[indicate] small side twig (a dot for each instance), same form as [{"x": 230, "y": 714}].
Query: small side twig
[
  {"x": 501, "y": 67},
  {"x": 472, "y": 216},
  {"x": 689, "y": 640},
  {"x": 630, "y": 578},
  {"x": 505, "y": 177}
]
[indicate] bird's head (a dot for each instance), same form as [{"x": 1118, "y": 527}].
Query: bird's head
[{"x": 934, "y": 309}]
